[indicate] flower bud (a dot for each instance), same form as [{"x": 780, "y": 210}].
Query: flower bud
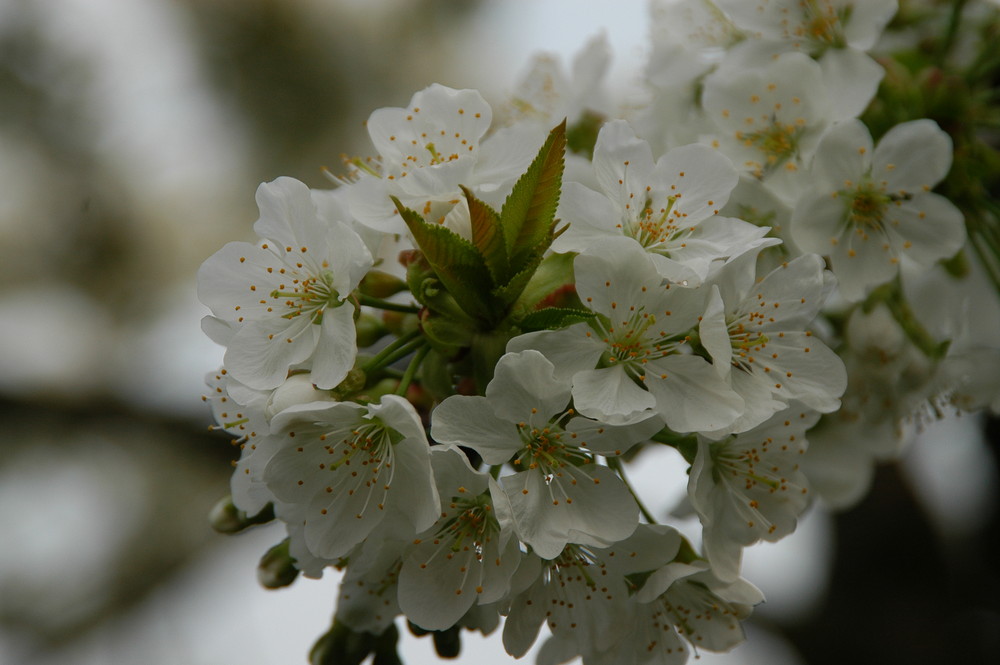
[
  {"x": 378, "y": 284},
  {"x": 277, "y": 567},
  {"x": 297, "y": 389},
  {"x": 448, "y": 643},
  {"x": 400, "y": 323},
  {"x": 369, "y": 329},
  {"x": 225, "y": 517}
]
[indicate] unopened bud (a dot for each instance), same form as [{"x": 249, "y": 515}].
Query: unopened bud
[
  {"x": 400, "y": 323},
  {"x": 369, "y": 329},
  {"x": 352, "y": 383},
  {"x": 342, "y": 646},
  {"x": 378, "y": 284},
  {"x": 448, "y": 643},
  {"x": 225, "y": 517},
  {"x": 277, "y": 567},
  {"x": 297, "y": 389}
]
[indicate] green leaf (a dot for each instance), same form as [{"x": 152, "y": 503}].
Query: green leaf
[
  {"x": 509, "y": 292},
  {"x": 529, "y": 212},
  {"x": 582, "y": 136},
  {"x": 456, "y": 262},
  {"x": 552, "y": 318},
  {"x": 488, "y": 237}
]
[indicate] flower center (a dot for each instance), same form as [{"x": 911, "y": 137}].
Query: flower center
[
  {"x": 779, "y": 142},
  {"x": 311, "y": 295},
  {"x": 655, "y": 230},
  {"x": 745, "y": 342},
  {"x": 630, "y": 343},
  {"x": 369, "y": 445},
  {"x": 471, "y": 526},
  {"x": 744, "y": 464},
  {"x": 544, "y": 449},
  {"x": 867, "y": 205},
  {"x": 824, "y": 24}
]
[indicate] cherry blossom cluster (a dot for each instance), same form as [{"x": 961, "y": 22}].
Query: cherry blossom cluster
[{"x": 439, "y": 370}]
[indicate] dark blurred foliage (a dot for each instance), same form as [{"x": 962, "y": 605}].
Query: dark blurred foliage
[{"x": 901, "y": 593}]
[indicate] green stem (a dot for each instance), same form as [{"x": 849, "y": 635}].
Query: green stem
[
  {"x": 411, "y": 369},
  {"x": 390, "y": 353},
  {"x": 379, "y": 303},
  {"x": 891, "y": 295},
  {"x": 954, "y": 21},
  {"x": 616, "y": 465}
]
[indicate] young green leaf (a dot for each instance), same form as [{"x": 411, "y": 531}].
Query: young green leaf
[
  {"x": 456, "y": 262},
  {"x": 528, "y": 213},
  {"x": 551, "y": 318},
  {"x": 488, "y": 237}
]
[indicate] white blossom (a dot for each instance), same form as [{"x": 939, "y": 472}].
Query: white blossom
[
  {"x": 669, "y": 208},
  {"x": 836, "y": 32},
  {"x": 755, "y": 331},
  {"x": 467, "y": 557},
  {"x": 558, "y": 493},
  {"x": 868, "y": 209},
  {"x": 583, "y": 595},
  {"x": 770, "y": 118},
  {"x": 749, "y": 487},
  {"x": 286, "y": 298},
  {"x": 351, "y": 465},
  {"x": 430, "y": 148},
  {"x": 632, "y": 360}
]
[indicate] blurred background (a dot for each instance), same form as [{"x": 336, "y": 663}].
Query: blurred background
[{"x": 133, "y": 134}]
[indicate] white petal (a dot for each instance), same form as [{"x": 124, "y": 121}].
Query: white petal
[
  {"x": 587, "y": 505},
  {"x": 912, "y": 157},
  {"x": 852, "y": 78},
  {"x": 287, "y": 213},
  {"x": 591, "y": 218},
  {"x": 817, "y": 222},
  {"x": 469, "y": 421},
  {"x": 842, "y": 156},
  {"x": 609, "y": 394},
  {"x": 336, "y": 349},
  {"x": 524, "y": 384},
  {"x": 929, "y": 226},
  {"x": 690, "y": 395},
  {"x": 714, "y": 335},
  {"x": 622, "y": 162},
  {"x": 701, "y": 178},
  {"x": 572, "y": 349},
  {"x": 261, "y": 352}
]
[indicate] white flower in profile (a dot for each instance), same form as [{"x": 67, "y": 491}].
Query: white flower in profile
[
  {"x": 889, "y": 381},
  {"x": 835, "y": 32},
  {"x": 669, "y": 208},
  {"x": 367, "y": 601},
  {"x": 285, "y": 299},
  {"x": 755, "y": 332},
  {"x": 467, "y": 558},
  {"x": 584, "y": 597},
  {"x": 430, "y": 148},
  {"x": 770, "y": 118},
  {"x": 688, "y": 38},
  {"x": 547, "y": 92},
  {"x": 350, "y": 466},
  {"x": 689, "y": 601},
  {"x": 749, "y": 487},
  {"x": 249, "y": 425},
  {"x": 559, "y": 494},
  {"x": 632, "y": 360},
  {"x": 868, "y": 209}
]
